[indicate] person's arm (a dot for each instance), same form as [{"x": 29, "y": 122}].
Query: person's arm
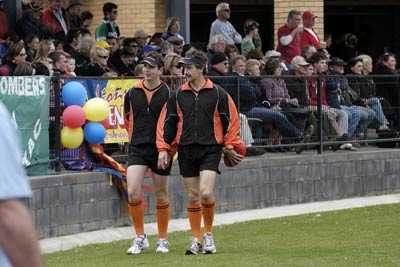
[
  {"x": 287, "y": 39},
  {"x": 269, "y": 94},
  {"x": 17, "y": 234},
  {"x": 257, "y": 42},
  {"x": 167, "y": 125},
  {"x": 221, "y": 28},
  {"x": 246, "y": 46},
  {"x": 231, "y": 129}
]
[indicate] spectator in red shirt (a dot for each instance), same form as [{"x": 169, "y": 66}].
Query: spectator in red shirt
[
  {"x": 289, "y": 37},
  {"x": 55, "y": 19},
  {"x": 309, "y": 37},
  {"x": 3, "y": 20}
]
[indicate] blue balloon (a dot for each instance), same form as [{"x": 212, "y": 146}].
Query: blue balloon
[
  {"x": 94, "y": 133},
  {"x": 74, "y": 93}
]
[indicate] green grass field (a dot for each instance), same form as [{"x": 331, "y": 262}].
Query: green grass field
[{"x": 357, "y": 237}]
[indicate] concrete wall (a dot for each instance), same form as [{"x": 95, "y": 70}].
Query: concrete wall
[{"x": 72, "y": 203}]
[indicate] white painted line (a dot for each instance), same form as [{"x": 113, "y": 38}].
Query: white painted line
[{"x": 55, "y": 244}]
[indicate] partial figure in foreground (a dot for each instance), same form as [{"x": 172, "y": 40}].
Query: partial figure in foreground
[{"x": 18, "y": 239}]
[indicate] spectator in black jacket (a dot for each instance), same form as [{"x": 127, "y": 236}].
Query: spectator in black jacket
[
  {"x": 387, "y": 86},
  {"x": 362, "y": 90},
  {"x": 30, "y": 24}
]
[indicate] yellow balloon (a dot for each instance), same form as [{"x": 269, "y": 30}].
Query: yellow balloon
[
  {"x": 71, "y": 137},
  {"x": 96, "y": 109}
]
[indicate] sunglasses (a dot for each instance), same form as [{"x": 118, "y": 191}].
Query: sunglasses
[
  {"x": 103, "y": 57},
  {"x": 22, "y": 55},
  {"x": 227, "y": 10}
]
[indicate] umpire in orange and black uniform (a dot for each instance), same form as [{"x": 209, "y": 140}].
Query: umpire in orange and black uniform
[{"x": 201, "y": 118}]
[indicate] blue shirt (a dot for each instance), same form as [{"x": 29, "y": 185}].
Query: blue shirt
[{"x": 13, "y": 180}]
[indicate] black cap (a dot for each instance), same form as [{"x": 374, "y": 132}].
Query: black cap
[
  {"x": 218, "y": 58},
  {"x": 155, "y": 62},
  {"x": 335, "y": 61},
  {"x": 195, "y": 58}
]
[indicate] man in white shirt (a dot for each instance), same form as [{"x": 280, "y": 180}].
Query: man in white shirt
[
  {"x": 18, "y": 240},
  {"x": 222, "y": 26}
]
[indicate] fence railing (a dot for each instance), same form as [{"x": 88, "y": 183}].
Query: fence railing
[{"x": 285, "y": 113}]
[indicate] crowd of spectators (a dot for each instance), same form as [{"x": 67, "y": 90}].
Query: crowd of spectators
[{"x": 57, "y": 40}]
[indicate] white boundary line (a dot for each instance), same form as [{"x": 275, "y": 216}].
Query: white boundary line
[{"x": 51, "y": 245}]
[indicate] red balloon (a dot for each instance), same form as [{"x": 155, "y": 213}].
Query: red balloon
[
  {"x": 106, "y": 123},
  {"x": 74, "y": 116}
]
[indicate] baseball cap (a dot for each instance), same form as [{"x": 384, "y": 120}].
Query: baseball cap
[
  {"x": 218, "y": 58},
  {"x": 195, "y": 58},
  {"x": 298, "y": 61},
  {"x": 141, "y": 34},
  {"x": 152, "y": 61},
  {"x": 272, "y": 53},
  {"x": 307, "y": 15}
]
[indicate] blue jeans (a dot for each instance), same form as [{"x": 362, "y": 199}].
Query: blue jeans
[
  {"x": 359, "y": 118},
  {"x": 376, "y": 106},
  {"x": 286, "y": 128}
]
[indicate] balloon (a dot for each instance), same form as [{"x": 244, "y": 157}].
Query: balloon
[
  {"x": 96, "y": 109},
  {"x": 74, "y": 93},
  {"x": 74, "y": 116},
  {"x": 94, "y": 133},
  {"x": 71, "y": 137},
  {"x": 106, "y": 123}
]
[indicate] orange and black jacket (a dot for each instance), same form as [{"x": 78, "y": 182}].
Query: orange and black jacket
[
  {"x": 142, "y": 108},
  {"x": 208, "y": 117}
]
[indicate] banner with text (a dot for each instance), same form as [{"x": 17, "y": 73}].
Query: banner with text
[
  {"x": 27, "y": 99},
  {"x": 113, "y": 91}
]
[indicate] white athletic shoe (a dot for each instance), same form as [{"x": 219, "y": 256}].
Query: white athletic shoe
[
  {"x": 162, "y": 246},
  {"x": 194, "y": 248},
  {"x": 139, "y": 244},
  {"x": 208, "y": 244}
]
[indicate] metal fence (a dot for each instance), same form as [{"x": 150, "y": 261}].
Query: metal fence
[{"x": 288, "y": 113}]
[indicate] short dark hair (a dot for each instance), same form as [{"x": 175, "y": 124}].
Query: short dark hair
[
  {"x": 317, "y": 57},
  {"x": 55, "y": 56},
  {"x": 73, "y": 34},
  {"x": 108, "y": 7},
  {"x": 271, "y": 65},
  {"x": 293, "y": 13},
  {"x": 85, "y": 15}
]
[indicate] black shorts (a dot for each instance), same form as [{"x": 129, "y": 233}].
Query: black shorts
[
  {"x": 195, "y": 158},
  {"x": 146, "y": 154}
]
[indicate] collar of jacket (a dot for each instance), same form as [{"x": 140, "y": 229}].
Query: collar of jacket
[
  {"x": 207, "y": 85},
  {"x": 141, "y": 86}
]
